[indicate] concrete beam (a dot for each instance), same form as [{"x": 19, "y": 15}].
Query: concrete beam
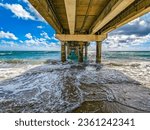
[
  {"x": 136, "y": 10},
  {"x": 70, "y": 6},
  {"x": 47, "y": 13},
  {"x": 113, "y": 8},
  {"x": 84, "y": 38}
]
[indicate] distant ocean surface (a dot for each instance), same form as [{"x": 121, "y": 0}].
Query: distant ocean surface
[
  {"x": 55, "y": 55},
  {"x": 127, "y": 55},
  {"x": 28, "y": 56}
]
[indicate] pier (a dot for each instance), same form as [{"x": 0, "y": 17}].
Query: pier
[{"x": 79, "y": 22}]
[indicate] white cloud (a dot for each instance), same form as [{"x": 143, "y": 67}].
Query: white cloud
[
  {"x": 8, "y": 43},
  {"x": 20, "y": 41},
  {"x": 45, "y": 35},
  {"x": 43, "y": 42},
  {"x": 32, "y": 40},
  {"x": 142, "y": 23},
  {"x": 18, "y": 11},
  {"x": 31, "y": 43},
  {"x": 121, "y": 41},
  {"x": 54, "y": 44},
  {"x": 132, "y": 35},
  {"x": 34, "y": 12},
  {"x": 29, "y": 13},
  {"x": 54, "y": 38},
  {"x": 40, "y": 27},
  {"x": 7, "y": 35},
  {"x": 26, "y": 1},
  {"x": 134, "y": 21},
  {"x": 28, "y": 35}
]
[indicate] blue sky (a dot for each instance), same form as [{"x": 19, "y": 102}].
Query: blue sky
[{"x": 22, "y": 28}]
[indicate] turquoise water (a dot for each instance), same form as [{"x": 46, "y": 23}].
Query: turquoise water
[
  {"x": 128, "y": 55},
  {"x": 45, "y": 55},
  {"x": 29, "y": 55}
]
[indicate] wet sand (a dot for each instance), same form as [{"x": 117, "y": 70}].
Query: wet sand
[{"x": 56, "y": 87}]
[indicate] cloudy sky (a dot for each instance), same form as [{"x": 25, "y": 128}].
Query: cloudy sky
[{"x": 22, "y": 28}]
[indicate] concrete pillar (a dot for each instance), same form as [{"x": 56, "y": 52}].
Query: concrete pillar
[
  {"x": 86, "y": 47},
  {"x": 68, "y": 50},
  {"x": 76, "y": 51},
  {"x": 98, "y": 52},
  {"x": 63, "y": 52},
  {"x": 80, "y": 54}
]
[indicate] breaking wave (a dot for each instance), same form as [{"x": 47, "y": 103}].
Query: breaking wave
[{"x": 56, "y": 87}]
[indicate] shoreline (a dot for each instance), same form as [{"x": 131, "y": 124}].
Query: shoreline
[
  {"x": 71, "y": 87},
  {"x": 136, "y": 69}
]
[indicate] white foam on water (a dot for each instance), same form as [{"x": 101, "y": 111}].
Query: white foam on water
[
  {"x": 138, "y": 70},
  {"x": 57, "y": 87}
]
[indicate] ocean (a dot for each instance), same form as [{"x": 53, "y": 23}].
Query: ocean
[
  {"x": 128, "y": 55},
  {"x": 36, "y": 81},
  {"x": 55, "y": 55},
  {"x": 29, "y": 55}
]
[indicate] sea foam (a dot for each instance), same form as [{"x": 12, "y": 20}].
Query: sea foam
[{"x": 72, "y": 87}]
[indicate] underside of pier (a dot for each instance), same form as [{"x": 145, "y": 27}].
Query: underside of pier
[{"x": 78, "y": 22}]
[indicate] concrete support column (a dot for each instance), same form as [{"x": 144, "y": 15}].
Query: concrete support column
[
  {"x": 63, "y": 52},
  {"x": 68, "y": 50},
  {"x": 80, "y": 54},
  {"x": 76, "y": 51},
  {"x": 98, "y": 51},
  {"x": 86, "y": 49}
]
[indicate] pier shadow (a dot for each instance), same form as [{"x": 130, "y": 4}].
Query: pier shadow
[{"x": 60, "y": 87}]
